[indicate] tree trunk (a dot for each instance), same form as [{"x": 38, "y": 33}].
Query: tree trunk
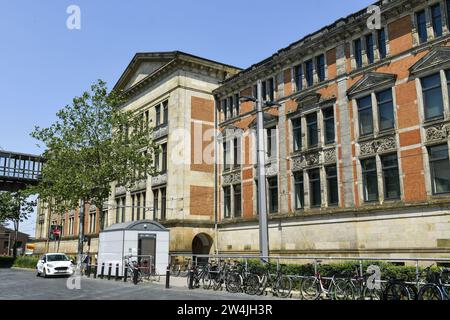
[{"x": 16, "y": 234}]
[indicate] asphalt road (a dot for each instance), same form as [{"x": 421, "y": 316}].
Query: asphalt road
[{"x": 24, "y": 285}]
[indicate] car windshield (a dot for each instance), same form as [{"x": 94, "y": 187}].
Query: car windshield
[{"x": 57, "y": 257}]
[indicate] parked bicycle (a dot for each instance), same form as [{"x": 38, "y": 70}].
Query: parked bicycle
[
  {"x": 437, "y": 286},
  {"x": 315, "y": 287}
]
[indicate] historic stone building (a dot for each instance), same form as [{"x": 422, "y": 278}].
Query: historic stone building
[
  {"x": 357, "y": 144},
  {"x": 358, "y": 149},
  {"x": 172, "y": 91}
]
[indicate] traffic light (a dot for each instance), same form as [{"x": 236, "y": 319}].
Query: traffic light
[{"x": 55, "y": 232}]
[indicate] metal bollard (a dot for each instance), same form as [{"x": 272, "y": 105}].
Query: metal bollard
[
  {"x": 102, "y": 274},
  {"x": 125, "y": 275},
  {"x": 109, "y": 271},
  {"x": 191, "y": 279},
  {"x": 168, "y": 277},
  {"x": 117, "y": 271},
  {"x": 95, "y": 271}
]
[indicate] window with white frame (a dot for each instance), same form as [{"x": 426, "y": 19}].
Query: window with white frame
[{"x": 439, "y": 168}]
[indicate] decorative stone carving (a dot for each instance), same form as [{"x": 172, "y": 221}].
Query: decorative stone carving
[
  {"x": 271, "y": 169},
  {"x": 329, "y": 155},
  {"x": 139, "y": 185},
  {"x": 161, "y": 131},
  {"x": 306, "y": 160},
  {"x": 437, "y": 132},
  {"x": 120, "y": 190},
  {"x": 379, "y": 145},
  {"x": 370, "y": 81},
  {"x": 231, "y": 178},
  {"x": 437, "y": 58},
  {"x": 159, "y": 179}
]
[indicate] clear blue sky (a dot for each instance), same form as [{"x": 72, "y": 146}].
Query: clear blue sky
[{"x": 43, "y": 65}]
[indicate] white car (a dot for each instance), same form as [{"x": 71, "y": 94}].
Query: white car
[{"x": 54, "y": 264}]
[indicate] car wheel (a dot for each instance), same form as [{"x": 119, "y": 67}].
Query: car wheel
[{"x": 45, "y": 273}]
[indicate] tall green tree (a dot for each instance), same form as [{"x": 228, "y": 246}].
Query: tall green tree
[
  {"x": 92, "y": 144},
  {"x": 15, "y": 207}
]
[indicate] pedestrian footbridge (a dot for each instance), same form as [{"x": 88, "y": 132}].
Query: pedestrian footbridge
[{"x": 18, "y": 170}]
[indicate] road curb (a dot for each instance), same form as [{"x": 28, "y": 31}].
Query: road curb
[{"x": 24, "y": 269}]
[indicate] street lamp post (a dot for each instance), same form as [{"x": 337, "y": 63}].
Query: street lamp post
[
  {"x": 261, "y": 170},
  {"x": 261, "y": 165}
]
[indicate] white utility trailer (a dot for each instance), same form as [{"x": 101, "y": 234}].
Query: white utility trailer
[{"x": 137, "y": 239}]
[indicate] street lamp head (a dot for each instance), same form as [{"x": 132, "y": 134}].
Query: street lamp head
[{"x": 247, "y": 99}]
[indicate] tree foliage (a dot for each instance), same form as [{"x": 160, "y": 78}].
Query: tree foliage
[
  {"x": 93, "y": 143},
  {"x": 15, "y": 206}
]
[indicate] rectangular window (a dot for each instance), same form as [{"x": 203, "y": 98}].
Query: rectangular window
[
  {"x": 146, "y": 119},
  {"x": 236, "y": 152},
  {"x": 447, "y": 3},
  {"x": 117, "y": 210},
  {"x": 421, "y": 26},
  {"x": 133, "y": 206},
  {"x": 237, "y": 201},
  {"x": 158, "y": 115},
  {"x": 432, "y": 96},
  {"x": 138, "y": 206},
  {"x": 144, "y": 208},
  {"x": 271, "y": 142},
  {"x": 165, "y": 112},
  {"x": 447, "y": 75},
  {"x": 298, "y": 77},
  {"x": 382, "y": 43},
  {"x": 264, "y": 90},
  {"x": 332, "y": 185},
  {"x": 230, "y": 107},
  {"x": 225, "y": 109},
  {"x": 328, "y": 121},
  {"x": 273, "y": 194},
  {"x": 155, "y": 204},
  {"x": 297, "y": 133},
  {"x": 271, "y": 88},
  {"x": 226, "y": 155},
  {"x": 164, "y": 157},
  {"x": 391, "y": 179},
  {"x": 163, "y": 204},
  {"x": 299, "y": 190},
  {"x": 385, "y": 109},
  {"x": 320, "y": 65},
  {"x": 311, "y": 124},
  {"x": 309, "y": 72},
  {"x": 370, "y": 48},
  {"x": 314, "y": 188},
  {"x": 436, "y": 19},
  {"x": 237, "y": 104},
  {"x": 440, "y": 169},
  {"x": 123, "y": 209},
  {"x": 255, "y": 91},
  {"x": 357, "y": 52},
  {"x": 370, "y": 183},
  {"x": 227, "y": 202},
  {"x": 365, "y": 115}
]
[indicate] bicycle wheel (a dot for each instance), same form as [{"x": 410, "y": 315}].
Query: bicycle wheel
[
  {"x": 252, "y": 284},
  {"x": 343, "y": 290},
  {"x": 430, "y": 291},
  {"x": 396, "y": 291},
  {"x": 233, "y": 283},
  {"x": 310, "y": 289},
  {"x": 283, "y": 287},
  {"x": 207, "y": 281},
  {"x": 371, "y": 294}
]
